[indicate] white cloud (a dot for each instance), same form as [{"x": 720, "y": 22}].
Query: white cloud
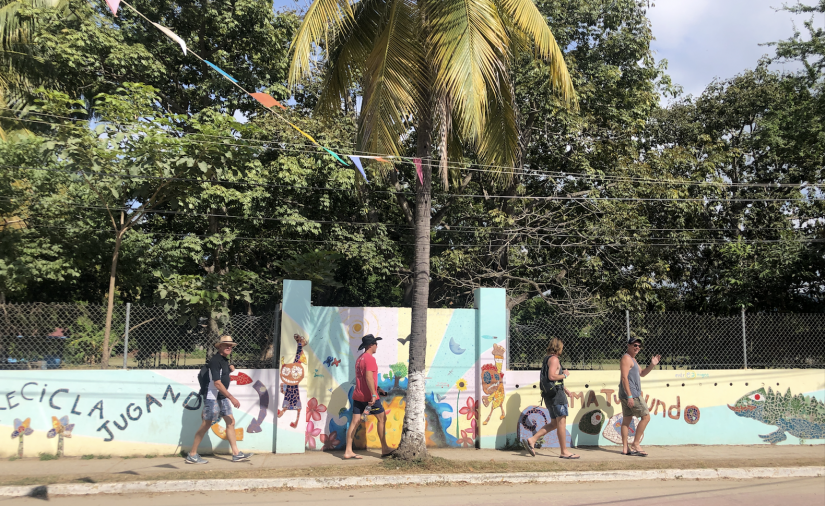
[{"x": 704, "y": 39}]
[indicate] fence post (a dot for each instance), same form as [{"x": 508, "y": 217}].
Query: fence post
[
  {"x": 744, "y": 339},
  {"x": 627, "y": 323},
  {"x": 126, "y": 335},
  {"x": 276, "y": 335}
]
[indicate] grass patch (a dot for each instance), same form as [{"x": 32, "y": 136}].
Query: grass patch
[
  {"x": 13, "y": 458},
  {"x": 148, "y": 456},
  {"x": 87, "y": 457},
  {"x": 48, "y": 456},
  {"x": 103, "y": 456}
]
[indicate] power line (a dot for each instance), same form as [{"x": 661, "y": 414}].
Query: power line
[
  {"x": 457, "y": 195},
  {"x": 478, "y": 167}
]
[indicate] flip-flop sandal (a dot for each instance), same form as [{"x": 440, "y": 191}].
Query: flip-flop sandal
[
  {"x": 569, "y": 457},
  {"x": 527, "y": 447},
  {"x": 638, "y": 454}
]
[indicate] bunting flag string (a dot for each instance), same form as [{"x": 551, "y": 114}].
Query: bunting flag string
[
  {"x": 419, "y": 170},
  {"x": 357, "y": 162},
  {"x": 221, "y": 72},
  {"x": 264, "y": 99}
]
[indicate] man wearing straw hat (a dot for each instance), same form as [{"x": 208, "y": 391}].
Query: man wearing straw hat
[{"x": 218, "y": 402}]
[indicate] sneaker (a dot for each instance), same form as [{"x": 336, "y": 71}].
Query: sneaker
[
  {"x": 195, "y": 459},
  {"x": 241, "y": 456}
]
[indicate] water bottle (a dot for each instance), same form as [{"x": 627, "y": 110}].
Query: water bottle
[{"x": 365, "y": 414}]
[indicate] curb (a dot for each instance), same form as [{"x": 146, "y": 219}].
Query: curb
[{"x": 415, "y": 479}]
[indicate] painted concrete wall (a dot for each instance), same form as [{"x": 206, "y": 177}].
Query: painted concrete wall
[
  {"x": 472, "y": 399},
  {"x": 462, "y": 345},
  {"x": 127, "y": 412}
]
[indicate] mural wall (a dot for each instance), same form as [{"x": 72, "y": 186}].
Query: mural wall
[
  {"x": 126, "y": 412},
  {"x": 465, "y": 371},
  {"x": 472, "y": 400}
]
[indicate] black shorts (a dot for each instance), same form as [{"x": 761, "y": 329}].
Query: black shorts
[{"x": 359, "y": 407}]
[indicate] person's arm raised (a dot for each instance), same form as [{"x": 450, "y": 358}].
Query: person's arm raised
[{"x": 653, "y": 363}]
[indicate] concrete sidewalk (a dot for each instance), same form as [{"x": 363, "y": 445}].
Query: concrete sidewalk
[{"x": 75, "y": 470}]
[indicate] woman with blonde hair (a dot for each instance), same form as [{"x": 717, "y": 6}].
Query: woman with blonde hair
[{"x": 555, "y": 395}]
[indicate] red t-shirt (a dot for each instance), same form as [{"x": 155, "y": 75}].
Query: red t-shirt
[{"x": 365, "y": 363}]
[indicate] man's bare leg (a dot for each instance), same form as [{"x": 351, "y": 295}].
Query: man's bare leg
[
  {"x": 205, "y": 424},
  {"x": 382, "y": 424},
  {"x": 561, "y": 429},
  {"x": 550, "y": 427},
  {"x": 640, "y": 433},
  {"x": 353, "y": 426},
  {"x": 230, "y": 433},
  {"x": 626, "y": 421}
]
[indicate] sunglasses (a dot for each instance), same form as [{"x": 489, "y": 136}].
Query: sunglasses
[{"x": 637, "y": 345}]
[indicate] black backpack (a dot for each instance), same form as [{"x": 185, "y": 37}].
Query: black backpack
[
  {"x": 203, "y": 380},
  {"x": 552, "y": 392}
]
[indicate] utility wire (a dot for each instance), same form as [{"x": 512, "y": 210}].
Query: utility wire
[
  {"x": 300, "y": 148},
  {"x": 457, "y": 195}
]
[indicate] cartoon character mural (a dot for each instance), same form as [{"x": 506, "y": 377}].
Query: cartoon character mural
[
  {"x": 798, "y": 415},
  {"x": 492, "y": 382},
  {"x": 291, "y": 376}
]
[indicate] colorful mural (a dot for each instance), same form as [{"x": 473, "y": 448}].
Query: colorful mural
[
  {"x": 472, "y": 399},
  {"x": 119, "y": 412}
]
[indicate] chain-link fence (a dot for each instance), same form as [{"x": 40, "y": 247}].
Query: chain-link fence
[
  {"x": 685, "y": 341},
  {"x": 71, "y": 336}
]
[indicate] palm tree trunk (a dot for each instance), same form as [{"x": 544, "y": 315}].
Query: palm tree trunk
[
  {"x": 413, "y": 445},
  {"x": 107, "y": 330}
]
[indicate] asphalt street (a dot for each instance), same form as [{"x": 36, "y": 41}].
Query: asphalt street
[{"x": 767, "y": 492}]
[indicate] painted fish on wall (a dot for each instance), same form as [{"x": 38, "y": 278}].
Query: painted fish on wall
[{"x": 798, "y": 415}]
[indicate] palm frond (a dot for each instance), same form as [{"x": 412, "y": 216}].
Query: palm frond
[
  {"x": 526, "y": 17},
  {"x": 18, "y": 29},
  {"x": 392, "y": 81},
  {"x": 499, "y": 143},
  {"x": 320, "y": 16},
  {"x": 466, "y": 41},
  {"x": 351, "y": 47}
]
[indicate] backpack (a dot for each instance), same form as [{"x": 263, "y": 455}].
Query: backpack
[
  {"x": 552, "y": 392},
  {"x": 203, "y": 380}
]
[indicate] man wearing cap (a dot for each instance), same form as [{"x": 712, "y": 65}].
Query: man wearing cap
[
  {"x": 218, "y": 403},
  {"x": 630, "y": 395},
  {"x": 365, "y": 396}
]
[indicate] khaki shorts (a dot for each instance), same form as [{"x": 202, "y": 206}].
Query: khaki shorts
[{"x": 639, "y": 408}]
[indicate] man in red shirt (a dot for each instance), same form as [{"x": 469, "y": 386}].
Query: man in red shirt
[{"x": 365, "y": 396}]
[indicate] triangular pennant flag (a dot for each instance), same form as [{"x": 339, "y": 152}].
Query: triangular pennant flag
[
  {"x": 221, "y": 72},
  {"x": 304, "y": 134},
  {"x": 419, "y": 170},
  {"x": 266, "y": 100},
  {"x": 336, "y": 156},
  {"x": 113, "y": 4},
  {"x": 169, "y": 33},
  {"x": 357, "y": 163}
]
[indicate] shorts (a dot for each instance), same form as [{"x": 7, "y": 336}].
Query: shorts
[
  {"x": 214, "y": 410},
  {"x": 639, "y": 408},
  {"x": 359, "y": 407},
  {"x": 557, "y": 410}
]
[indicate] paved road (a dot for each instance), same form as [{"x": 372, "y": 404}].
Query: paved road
[{"x": 780, "y": 492}]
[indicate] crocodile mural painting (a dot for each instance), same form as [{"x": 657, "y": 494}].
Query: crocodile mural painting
[{"x": 798, "y": 415}]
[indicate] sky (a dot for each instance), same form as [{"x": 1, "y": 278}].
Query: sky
[{"x": 704, "y": 39}]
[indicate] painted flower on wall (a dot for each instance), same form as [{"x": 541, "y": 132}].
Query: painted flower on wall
[
  {"x": 461, "y": 385},
  {"x": 471, "y": 409},
  {"x": 311, "y": 434},
  {"x": 314, "y": 410},
  {"x": 331, "y": 441},
  {"x": 466, "y": 440},
  {"x": 21, "y": 429},
  {"x": 60, "y": 428}
]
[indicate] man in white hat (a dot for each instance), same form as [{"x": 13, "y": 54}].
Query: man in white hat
[{"x": 218, "y": 402}]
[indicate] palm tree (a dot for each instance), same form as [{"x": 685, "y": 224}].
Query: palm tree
[
  {"x": 427, "y": 65},
  {"x": 18, "y": 22}
]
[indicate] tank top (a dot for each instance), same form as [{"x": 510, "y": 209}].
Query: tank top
[
  {"x": 560, "y": 399},
  {"x": 634, "y": 379}
]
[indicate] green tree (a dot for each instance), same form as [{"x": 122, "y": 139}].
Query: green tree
[{"x": 427, "y": 65}]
